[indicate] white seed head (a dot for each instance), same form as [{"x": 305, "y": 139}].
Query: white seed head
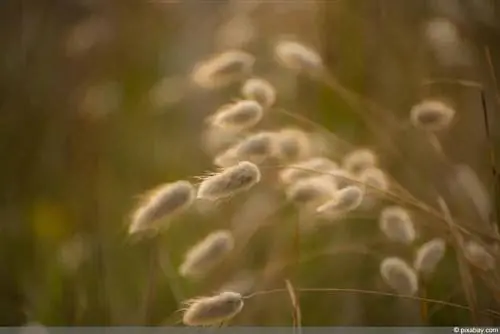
[
  {"x": 472, "y": 187},
  {"x": 165, "y": 201},
  {"x": 229, "y": 181},
  {"x": 206, "y": 311},
  {"x": 215, "y": 139},
  {"x": 302, "y": 169},
  {"x": 399, "y": 276},
  {"x": 293, "y": 145},
  {"x": 297, "y": 56},
  {"x": 311, "y": 192},
  {"x": 235, "y": 33},
  {"x": 444, "y": 38},
  {"x": 358, "y": 160},
  {"x": 431, "y": 115},
  {"x": 207, "y": 253},
  {"x": 255, "y": 148},
  {"x": 345, "y": 200},
  {"x": 374, "y": 177},
  {"x": 259, "y": 90},
  {"x": 238, "y": 116},
  {"x": 223, "y": 69},
  {"x": 395, "y": 222},
  {"x": 478, "y": 256},
  {"x": 429, "y": 255}
]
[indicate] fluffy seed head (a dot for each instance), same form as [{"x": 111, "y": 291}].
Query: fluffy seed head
[
  {"x": 255, "y": 148},
  {"x": 345, "y": 200},
  {"x": 229, "y": 181},
  {"x": 428, "y": 256},
  {"x": 431, "y": 115},
  {"x": 343, "y": 178},
  {"x": 358, "y": 160},
  {"x": 311, "y": 192},
  {"x": 207, "y": 253},
  {"x": 239, "y": 116},
  {"x": 165, "y": 201},
  {"x": 399, "y": 276},
  {"x": 478, "y": 256},
  {"x": 297, "y": 56},
  {"x": 298, "y": 171},
  {"x": 293, "y": 144},
  {"x": 395, "y": 222},
  {"x": 374, "y": 177},
  {"x": 471, "y": 186},
  {"x": 259, "y": 90},
  {"x": 444, "y": 39},
  {"x": 223, "y": 69},
  {"x": 206, "y": 311}
]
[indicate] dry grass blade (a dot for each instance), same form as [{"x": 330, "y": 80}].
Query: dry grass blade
[
  {"x": 466, "y": 83},
  {"x": 496, "y": 181},
  {"x": 299, "y": 118},
  {"x": 297, "y": 314},
  {"x": 424, "y": 308},
  {"x": 465, "y": 274},
  {"x": 378, "y": 120}
]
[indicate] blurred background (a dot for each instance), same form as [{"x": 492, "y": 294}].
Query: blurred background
[{"x": 97, "y": 107}]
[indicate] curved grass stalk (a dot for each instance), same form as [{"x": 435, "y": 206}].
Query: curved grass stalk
[
  {"x": 397, "y": 198},
  {"x": 488, "y": 312}
]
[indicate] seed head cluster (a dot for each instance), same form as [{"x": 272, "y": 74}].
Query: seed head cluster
[{"x": 320, "y": 182}]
